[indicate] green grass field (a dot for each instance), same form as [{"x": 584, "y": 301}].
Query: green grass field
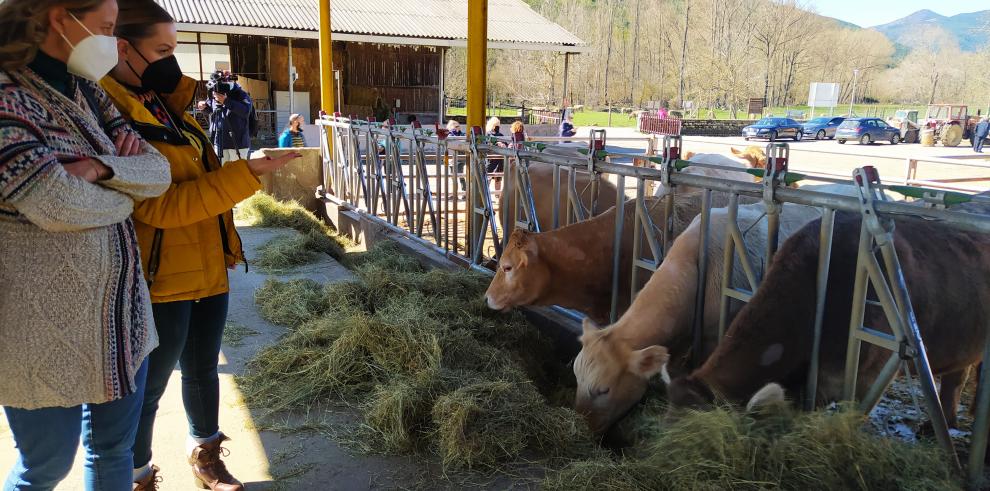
[{"x": 584, "y": 119}]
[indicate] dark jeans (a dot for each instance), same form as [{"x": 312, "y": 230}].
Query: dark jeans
[
  {"x": 978, "y": 143},
  {"x": 190, "y": 333},
  {"x": 47, "y": 439}
]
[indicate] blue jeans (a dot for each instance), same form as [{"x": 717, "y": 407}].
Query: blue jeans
[
  {"x": 978, "y": 143},
  {"x": 47, "y": 439},
  {"x": 189, "y": 333}
]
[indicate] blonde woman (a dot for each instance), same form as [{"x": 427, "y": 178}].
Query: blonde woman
[{"x": 75, "y": 317}]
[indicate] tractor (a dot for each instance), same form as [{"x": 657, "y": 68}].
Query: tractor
[
  {"x": 906, "y": 120},
  {"x": 951, "y": 123}
]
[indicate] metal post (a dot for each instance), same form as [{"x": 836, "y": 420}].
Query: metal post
[
  {"x": 699, "y": 301},
  {"x": 292, "y": 82},
  {"x": 620, "y": 218},
  {"x": 567, "y": 65},
  {"x": 440, "y": 89},
  {"x": 477, "y": 61},
  {"x": 852, "y": 97},
  {"x": 824, "y": 261},
  {"x": 981, "y": 425},
  {"x": 326, "y": 62}
]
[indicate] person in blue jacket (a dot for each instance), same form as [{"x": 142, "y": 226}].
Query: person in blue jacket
[{"x": 293, "y": 136}]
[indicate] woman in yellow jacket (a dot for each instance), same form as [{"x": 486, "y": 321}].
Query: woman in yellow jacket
[{"x": 187, "y": 236}]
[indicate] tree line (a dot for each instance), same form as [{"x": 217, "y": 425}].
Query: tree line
[{"x": 714, "y": 54}]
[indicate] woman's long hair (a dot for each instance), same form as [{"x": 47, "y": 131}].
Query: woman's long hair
[{"x": 24, "y": 26}]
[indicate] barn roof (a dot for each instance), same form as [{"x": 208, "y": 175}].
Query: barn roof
[{"x": 512, "y": 24}]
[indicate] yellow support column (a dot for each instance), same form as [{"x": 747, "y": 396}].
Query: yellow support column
[
  {"x": 326, "y": 66},
  {"x": 477, "y": 62}
]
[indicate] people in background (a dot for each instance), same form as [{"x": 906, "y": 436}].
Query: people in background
[
  {"x": 380, "y": 110},
  {"x": 663, "y": 112},
  {"x": 518, "y": 128},
  {"x": 454, "y": 128},
  {"x": 496, "y": 163},
  {"x": 187, "y": 238},
  {"x": 980, "y": 134},
  {"x": 567, "y": 128},
  {"x": 75, "y": 316},
  {"x": 411, "y": 119},
  {"x": 231, "y": 113},
  {"x": 293, "y": 136}
]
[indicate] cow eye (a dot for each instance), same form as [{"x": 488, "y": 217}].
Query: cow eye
[
  {"x": 506, "y": 268},
  {"x": 601, "y": 392}
]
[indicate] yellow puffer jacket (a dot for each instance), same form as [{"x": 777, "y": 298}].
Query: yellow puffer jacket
[{"x": 187, "y": 235}]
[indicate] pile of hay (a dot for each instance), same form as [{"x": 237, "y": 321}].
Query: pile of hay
[
  {"x": 726, "y": 449},
  {"x": 262, "y": 210},
  {"x": 429, "y": 365}
]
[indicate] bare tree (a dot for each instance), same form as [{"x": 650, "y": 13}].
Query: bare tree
[{"x": 684, "y": 48}]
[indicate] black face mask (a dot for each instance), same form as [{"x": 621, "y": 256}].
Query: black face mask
[{"x": 162, "y": 76}]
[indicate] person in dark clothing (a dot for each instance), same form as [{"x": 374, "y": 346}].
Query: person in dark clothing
[
  {"x": 230, "y": 114},
  {"x": 567, "y": 126},
  {"x": 496, "y": 164},
  {"x": 980, "y": 134},
  {"x": 411, "y": 119}
]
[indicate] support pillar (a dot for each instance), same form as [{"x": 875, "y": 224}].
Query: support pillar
[{"x": 477, "y": 62}]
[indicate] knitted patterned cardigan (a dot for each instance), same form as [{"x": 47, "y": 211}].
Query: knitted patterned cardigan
[{"x": 75, "y": 314}]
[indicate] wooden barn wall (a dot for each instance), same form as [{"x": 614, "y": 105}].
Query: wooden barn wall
[{"x": 409, "y": 74}]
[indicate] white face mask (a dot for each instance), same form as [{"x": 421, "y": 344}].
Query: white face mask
[{"x": 94, "y": 56}]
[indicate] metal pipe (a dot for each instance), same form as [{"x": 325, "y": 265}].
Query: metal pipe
[
  {"x": 728, "y": 264},
  {"x": 617, "y": 251},
  {"x": 981, "y": 424},
  {"x": 556, "y": 197},
  {"x": 856, "y": 316},
  {"x": 824, "y": 262},
  {"x": 699, "y": 301}
]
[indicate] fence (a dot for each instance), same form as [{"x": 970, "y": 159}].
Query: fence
[
  {"x": 543, "y": 116},
  {"x": 410, "y": 181},
  {"x": 657, "y": 126}
]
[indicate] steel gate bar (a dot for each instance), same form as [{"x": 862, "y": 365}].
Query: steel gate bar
[
  {"x": 981, "y": 424},
  {"x": 892, "y": 292},
  {"x": 482, "y": 218},
  {"x": 699, "y": 300},
  {"x": 821, "y": 288},
  {"x": 620, "y": 209},
  {"x": 425, "y": 201}
]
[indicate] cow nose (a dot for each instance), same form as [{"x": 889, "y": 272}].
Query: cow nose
[{"x": 491, "y": 303}]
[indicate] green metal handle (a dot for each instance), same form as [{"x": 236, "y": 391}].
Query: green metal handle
[
  {"x": 951, "y": 197},
  {"x": 789, "y": 178},
  {"x": 679, "y": 164}
]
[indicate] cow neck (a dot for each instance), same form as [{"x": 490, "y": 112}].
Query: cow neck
[
  {"x": 575, "y": 271},
  {"x": 663, "y": 310}
]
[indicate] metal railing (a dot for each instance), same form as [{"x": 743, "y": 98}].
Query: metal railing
[
  {"x": 657, "y": 126},
  {"x": 408, "y": 179}
]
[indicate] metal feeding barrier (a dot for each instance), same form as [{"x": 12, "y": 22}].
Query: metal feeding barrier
[{"x": 409, "y": 180}]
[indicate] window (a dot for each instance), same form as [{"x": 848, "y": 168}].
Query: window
[{"x": 200, "y": 54}]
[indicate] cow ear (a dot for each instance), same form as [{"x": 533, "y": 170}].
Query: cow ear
[
  {"x": 588, "y": 329},
  {"x": 688, "y": 155},
  {"x": 736, "y": 152},
  {"x": 648, "y": 362}
]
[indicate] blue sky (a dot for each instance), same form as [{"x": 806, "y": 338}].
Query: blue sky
[{"x": 868, "y": 13}]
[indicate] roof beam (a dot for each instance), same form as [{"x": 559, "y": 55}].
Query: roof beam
[{"x": 375, "y": 39}]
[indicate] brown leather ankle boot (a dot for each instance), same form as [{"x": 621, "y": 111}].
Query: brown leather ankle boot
[
  {"x": 209, "y": 472},
  {"x": 149, "y": 483}
]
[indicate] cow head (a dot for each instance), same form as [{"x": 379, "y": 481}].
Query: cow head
[
  {"x": 521, "y": 277},
  {"x": 611, "y": 376},
  {"x": 754, "y": 155}
]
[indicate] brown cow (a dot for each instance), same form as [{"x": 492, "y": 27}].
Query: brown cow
[
  {"x": 663, "y": 312},
  {"x": 572, "y": 266},
  {"x": 541, "y": 178},
  {"x": 770, "y": 339},
  {"x": 579, "y": 257}
]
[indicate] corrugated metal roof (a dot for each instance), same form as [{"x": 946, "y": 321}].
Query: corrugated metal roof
[{"x": 509, "y": 21}]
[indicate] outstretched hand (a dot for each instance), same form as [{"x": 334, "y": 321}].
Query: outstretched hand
[{"x": 260, "y": 167}]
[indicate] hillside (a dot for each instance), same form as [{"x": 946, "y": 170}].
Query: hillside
[{"x": 970, "y": 31}]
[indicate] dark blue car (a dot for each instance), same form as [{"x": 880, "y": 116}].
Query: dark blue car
[
  {"x": 867, "y": 130},
  {"x": 773, "y": 128},
  {"x": 822, "y": 128}
]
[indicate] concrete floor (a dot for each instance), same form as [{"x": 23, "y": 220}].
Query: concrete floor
[{"x": 264, "y": 460}]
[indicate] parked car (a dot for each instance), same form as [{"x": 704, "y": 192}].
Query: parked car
[
  {"x": 822, "y": 128},
  {"x": 773, "y": 128},
  {"x": 867, "y": 130}
]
